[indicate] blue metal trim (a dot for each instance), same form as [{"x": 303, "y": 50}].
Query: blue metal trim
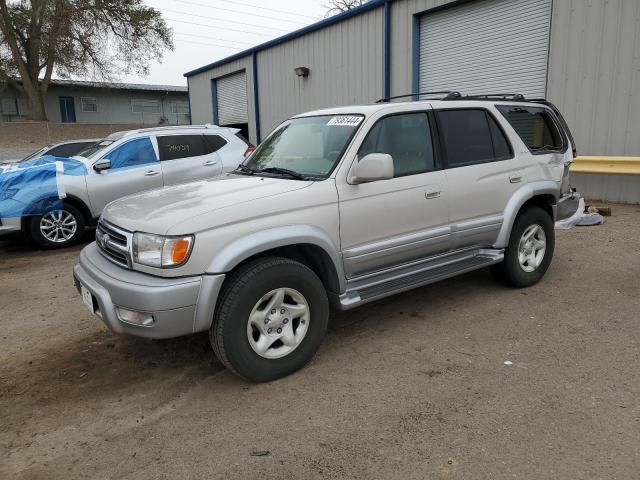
[
  {"x": 256, "y": 100},
  {"x": 214, "y": 100},
  {"x": 415, "y": 57},
  {"x": 365, "y": 7},
  {"x": 387, "y": 49}
]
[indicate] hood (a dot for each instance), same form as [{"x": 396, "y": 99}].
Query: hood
[
  {"x": 156, "y": 211},
  {"x": 32, "y": 187}
]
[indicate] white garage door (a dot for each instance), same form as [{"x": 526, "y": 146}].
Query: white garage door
[
  {"x": 491, "y": 46},
  {"x": 232, "y": 99}
]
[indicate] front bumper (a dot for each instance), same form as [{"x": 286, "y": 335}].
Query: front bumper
[
  {"x": 567, "y": 205},
  {"x": 179, "y": 306}
]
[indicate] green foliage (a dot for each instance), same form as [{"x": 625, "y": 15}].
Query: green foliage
[{"x": 78, "y": 38}]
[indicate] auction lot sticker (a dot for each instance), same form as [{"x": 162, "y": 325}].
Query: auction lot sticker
[{"x": 345, "y": 120}]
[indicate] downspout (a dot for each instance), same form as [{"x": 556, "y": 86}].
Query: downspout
[
  {"x": 387, "y": 50},
  {"x": 256, "y": 100}
]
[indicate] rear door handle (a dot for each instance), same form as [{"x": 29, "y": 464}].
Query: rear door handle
[
  {"x": 515, "y": 177},
  {"x": 210, "y": 163},
  {"x": 151, "y": 173}
]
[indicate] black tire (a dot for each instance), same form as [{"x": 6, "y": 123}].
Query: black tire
[
  {"x": 510, "y": 272},
  {"x": 242, "y": 290},
  {"x": 42, "y": 241}
]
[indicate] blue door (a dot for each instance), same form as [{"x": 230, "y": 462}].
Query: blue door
[{"x": 67, "y": 110}]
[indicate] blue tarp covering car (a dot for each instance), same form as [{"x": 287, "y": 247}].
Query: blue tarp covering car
[{"x": 33, "y": 188}]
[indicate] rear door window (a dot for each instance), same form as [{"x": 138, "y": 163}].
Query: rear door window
[
  {"x": 536, "y": 127},
  {"x": 173, "y": 147},
  {"x": 472, "y": 136}
]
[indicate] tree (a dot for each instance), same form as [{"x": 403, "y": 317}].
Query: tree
[
  {"x": 338, "y": 6},
  {"x": 82, "y": 38}
]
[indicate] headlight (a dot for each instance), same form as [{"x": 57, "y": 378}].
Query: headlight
[{"x": 161, "y": 252}]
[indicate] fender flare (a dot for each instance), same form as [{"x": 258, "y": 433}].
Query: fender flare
[
  {"x": 240, "y": 249},
  {"x": 517, "y": 200}
]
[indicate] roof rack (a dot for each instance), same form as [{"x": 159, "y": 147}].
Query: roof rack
[
  {"x": 447, "y": 95},
  {"x": 490, "y": 96}
]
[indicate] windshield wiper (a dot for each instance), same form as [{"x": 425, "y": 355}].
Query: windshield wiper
[
  {"x": 242, "y": 168},
  {"x": 282, "y": 171}
]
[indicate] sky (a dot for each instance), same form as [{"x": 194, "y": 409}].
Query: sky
[{"x": 209, "y": 30}]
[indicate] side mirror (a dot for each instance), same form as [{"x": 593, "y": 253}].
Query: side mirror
[
  {"x": 100, "y": 165},
  {"x": 372, "y": 167}
]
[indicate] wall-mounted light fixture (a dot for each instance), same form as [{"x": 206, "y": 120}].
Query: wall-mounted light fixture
[{"x": 301, "y": 71}]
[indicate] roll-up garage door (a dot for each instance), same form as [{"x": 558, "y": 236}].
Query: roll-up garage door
[
  {"x": 489, "y": 46},
  {"x": 232, "y": 99}
]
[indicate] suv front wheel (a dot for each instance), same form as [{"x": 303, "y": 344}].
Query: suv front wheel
[
  {"x": 530, "y": 249},
  {"x": 271, "y": 318}
]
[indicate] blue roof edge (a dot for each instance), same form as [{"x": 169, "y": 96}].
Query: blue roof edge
[{"x": 365, "y": 7}]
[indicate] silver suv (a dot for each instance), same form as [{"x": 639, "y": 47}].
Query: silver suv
[
  {"x": 337, "y": 207},
  {"x": 123, "y": 163}
]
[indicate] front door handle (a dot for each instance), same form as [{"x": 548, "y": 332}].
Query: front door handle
[
  {"x": 515, "y": 177},
  {"x": 432, "y": 191},
  {"x": 151, "y": 173},
  {"x": 210, "y": 163}
]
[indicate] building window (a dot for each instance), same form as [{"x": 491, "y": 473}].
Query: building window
[
  {"x": 9, "y": 106},
  {"x": 145, "y": 106},
  {"x": 181, "y": 108},
  {"x": 89, "y": 104}
]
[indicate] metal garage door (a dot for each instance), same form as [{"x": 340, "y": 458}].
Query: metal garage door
[
  {"x": 491, "y": 46},
  {"x": 232, "y": 99}
]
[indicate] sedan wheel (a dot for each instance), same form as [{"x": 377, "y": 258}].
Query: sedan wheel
[{"x": 58, "y": 226}]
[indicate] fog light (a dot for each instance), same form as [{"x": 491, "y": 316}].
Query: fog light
[{"x": 136, "y": 318}]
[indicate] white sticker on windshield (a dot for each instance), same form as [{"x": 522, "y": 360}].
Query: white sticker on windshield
[{"x": 345, "y": 120}]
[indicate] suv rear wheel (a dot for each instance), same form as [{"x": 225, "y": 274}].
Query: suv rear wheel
[
  {"x": 57, "y": 228},
  {"x": 270, "y": 320},
  {"x": 530, "y": 249}
]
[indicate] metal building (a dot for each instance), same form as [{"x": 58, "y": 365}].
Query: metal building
[{"x": 583, "y": 55}]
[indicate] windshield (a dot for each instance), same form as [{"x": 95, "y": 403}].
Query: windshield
[
  {"x": 307, "y": 146},
  {"x": 95, "y": 148},
  {"x": 33, "y": 155}
]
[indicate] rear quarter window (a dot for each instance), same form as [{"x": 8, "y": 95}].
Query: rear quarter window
[
  {"x": 535, "y": 127},
  {"x": 216, "y": 142}
]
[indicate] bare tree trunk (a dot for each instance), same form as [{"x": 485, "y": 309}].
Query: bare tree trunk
[{"x": 36, "y": 98}]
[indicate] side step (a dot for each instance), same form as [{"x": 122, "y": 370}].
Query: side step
[{"x": 378, "y": 285}]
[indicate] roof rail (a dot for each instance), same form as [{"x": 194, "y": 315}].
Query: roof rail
[
  {"x": 491, "y": 96},
  {"x": 447, "y": 95}
]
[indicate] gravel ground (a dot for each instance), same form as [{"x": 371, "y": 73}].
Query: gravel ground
[{"x": 412, "y": 387}]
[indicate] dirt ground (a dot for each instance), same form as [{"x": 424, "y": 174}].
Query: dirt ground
[{"x": 412, "y": 387}]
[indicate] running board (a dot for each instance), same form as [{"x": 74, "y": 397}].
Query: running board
[{"x": 375, "y": 286}]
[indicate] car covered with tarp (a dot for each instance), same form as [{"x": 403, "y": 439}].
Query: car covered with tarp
[{"x": 53, "y": 199}]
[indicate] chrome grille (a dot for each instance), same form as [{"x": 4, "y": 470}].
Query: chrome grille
[{"x": 113, "y": 243}]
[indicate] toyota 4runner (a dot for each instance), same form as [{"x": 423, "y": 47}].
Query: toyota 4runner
[{"x": 337, "y": 207}]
